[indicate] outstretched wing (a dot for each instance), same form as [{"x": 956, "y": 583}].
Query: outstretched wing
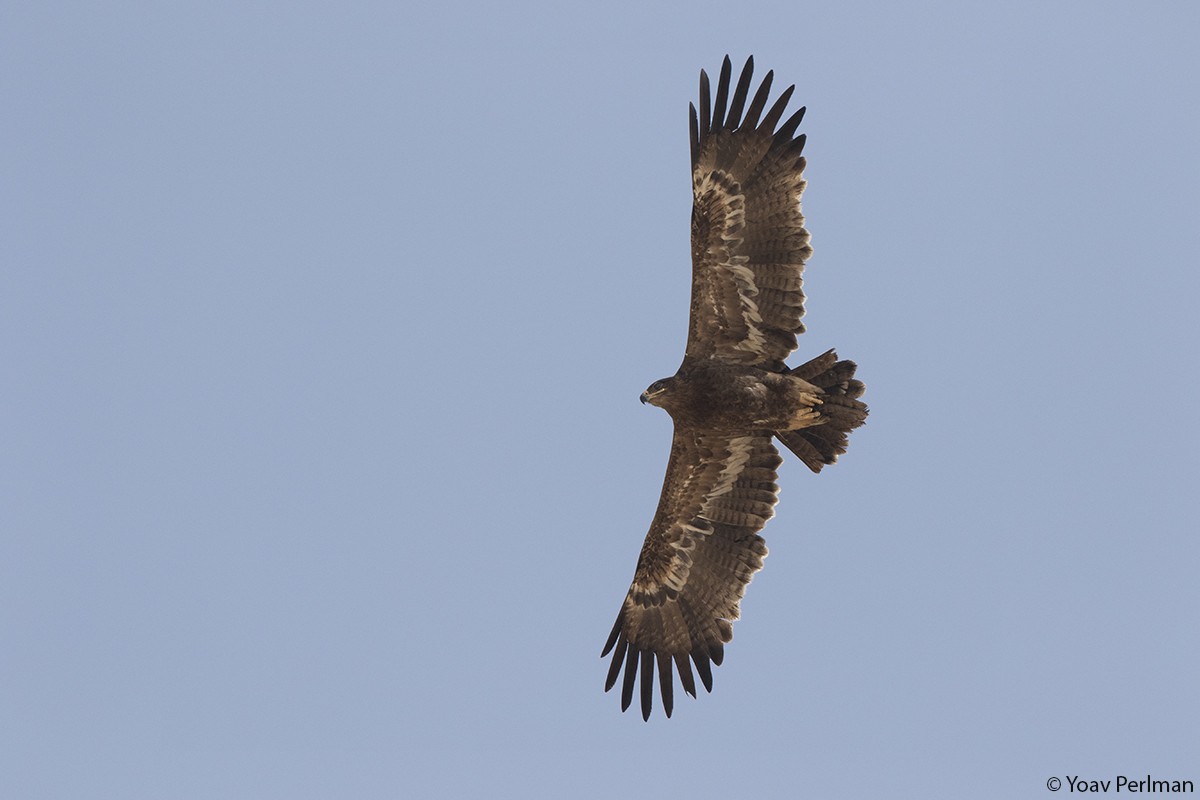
[
  {"x": 749, "y": 243},
  {"x": 701, "y": 551}
]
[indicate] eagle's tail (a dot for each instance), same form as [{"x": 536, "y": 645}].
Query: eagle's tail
[{"x": 841, "y": 411}]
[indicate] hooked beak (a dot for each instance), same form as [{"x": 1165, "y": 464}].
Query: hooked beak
[{"x": 643, "y": 398}]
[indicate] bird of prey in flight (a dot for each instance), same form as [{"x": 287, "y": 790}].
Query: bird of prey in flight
[{"x": 732, "y": 396}]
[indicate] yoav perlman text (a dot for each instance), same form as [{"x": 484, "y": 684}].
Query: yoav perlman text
[{"x": 1124, "y": 784}]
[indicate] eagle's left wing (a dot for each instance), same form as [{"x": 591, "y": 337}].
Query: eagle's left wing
[
  {"x": 749, "y": 243},
  {"x": 701, "y": 551}
]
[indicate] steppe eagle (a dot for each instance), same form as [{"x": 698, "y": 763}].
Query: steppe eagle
[{"x": 732, "y": 395}]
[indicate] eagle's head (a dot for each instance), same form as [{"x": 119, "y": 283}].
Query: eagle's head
[{"x": 658, "y": 392}]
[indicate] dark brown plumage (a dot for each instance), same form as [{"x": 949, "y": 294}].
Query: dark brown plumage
[{"x": 731, "y": 396}]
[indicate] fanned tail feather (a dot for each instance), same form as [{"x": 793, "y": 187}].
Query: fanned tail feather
[{"x": 841, "y": 411}]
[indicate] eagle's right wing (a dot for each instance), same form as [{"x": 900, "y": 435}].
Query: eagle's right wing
[{"x": 701, "y": 551}]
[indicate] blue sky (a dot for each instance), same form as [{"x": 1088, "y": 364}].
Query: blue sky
[{"x": 322, "y": 330}]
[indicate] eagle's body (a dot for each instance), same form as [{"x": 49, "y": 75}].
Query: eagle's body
[
  {"x": 711, "y": 395},
  {"x": 732, "y": 395}
]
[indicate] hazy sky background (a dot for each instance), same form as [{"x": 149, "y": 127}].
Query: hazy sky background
[{"x": 322, "y": 328}]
